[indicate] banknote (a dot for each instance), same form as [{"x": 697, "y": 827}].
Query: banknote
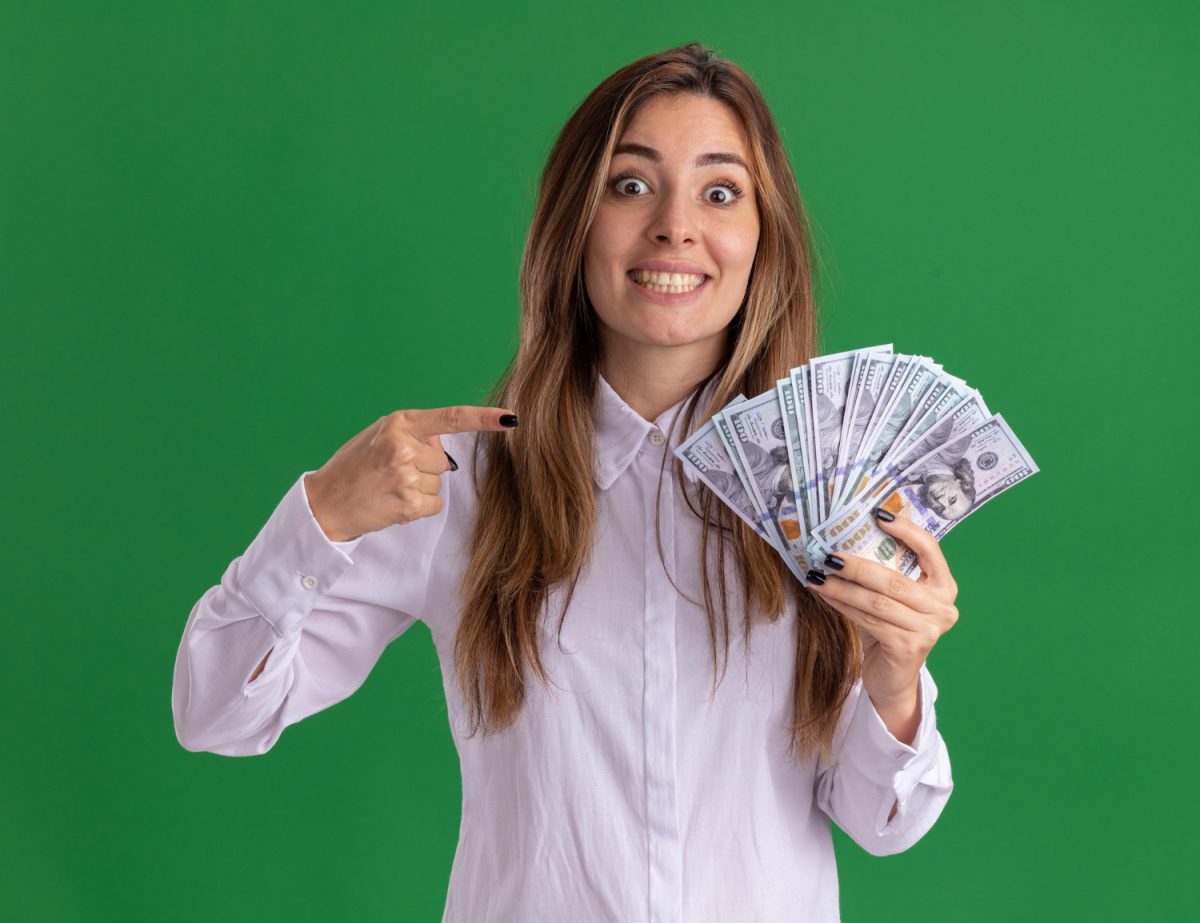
[
  {"x": 951, "y": 398},
  {"x": 705, "y": 457},
  {"x": 793, "y": 433},
  {"x": 807, "y": 463},
  {"x": 946, "y": 389},
  {"x": 829, "y": 381},
  {"x": 872, "y": 375},
  {"x": 968, "y": 414},
  {"x": 760, "y": 441},
  {"x": 938, "y": 491},
  {"x": 806, "y": 460},
  {"x": 883, "y": 432}
]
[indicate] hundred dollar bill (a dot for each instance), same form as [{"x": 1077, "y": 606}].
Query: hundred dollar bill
[
  {"x": 847, "y": 413},
  {"x": 801, "y": 392},
  {"x": 724, "y": 430},
  {"x": 829, "y": 379},
  {"x": 937, "y": 492},
  {"x": 961, "y": 419},
  {"x": 882, "y": 433},
  {"x": 793, "y": 427},
  {"x": 760, "y": 442},
  {"x": 967, "y": 416},
  {"x": 947, "y": 398},
  {"x": 902, "y": 399},
  {"x": 705, "y": 457},
  {"x": 872, "y": 375},
  {"x": 943, "y": 398}
]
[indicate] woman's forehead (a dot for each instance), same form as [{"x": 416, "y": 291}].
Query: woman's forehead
[{"x": 691, "y": 121}]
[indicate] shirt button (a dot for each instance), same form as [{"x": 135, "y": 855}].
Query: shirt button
[
  {"x": 657, "y": 438},
  {"x": 309, "y": 582}
]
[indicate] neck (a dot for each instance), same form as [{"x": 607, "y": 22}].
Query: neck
[{"x": 653, "y": 379}]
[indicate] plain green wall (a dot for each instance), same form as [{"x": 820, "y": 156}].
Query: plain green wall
[{"x": 233, "y": 234}]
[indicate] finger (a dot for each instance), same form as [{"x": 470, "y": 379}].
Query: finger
[
  {"x": 929, "y": 552},
  {"x": 882, "y": 607},
  {"x": 410, "y": 476},
  {"x": 460, "y": 419},
  {"x": 427, "y": 483},
  {"x": 429, "y": 457},
  {"x": 885, "y": 580},
  {"x": 415, "y": 504},
  {"x": 874, "y": 628}
]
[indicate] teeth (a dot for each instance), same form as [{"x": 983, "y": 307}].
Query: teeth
[{"x": 673, "y": 282}]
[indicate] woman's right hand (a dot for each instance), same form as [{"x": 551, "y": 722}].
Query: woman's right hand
[{"x": 389, "y": 473}]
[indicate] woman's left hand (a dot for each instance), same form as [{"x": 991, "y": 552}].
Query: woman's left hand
[{"x": 900, "y": 618}]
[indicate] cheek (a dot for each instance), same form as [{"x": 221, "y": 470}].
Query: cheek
[
  {"x": 738, "y": 246},
  {"x": 607, "y": 239},
  {"x": 605, "y": 252},
  {"x": 744, "y": 257}
]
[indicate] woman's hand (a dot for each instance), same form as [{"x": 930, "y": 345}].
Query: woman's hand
[
  {"x": 900, "y": 619},
  {"x": 388, "y": 473}
]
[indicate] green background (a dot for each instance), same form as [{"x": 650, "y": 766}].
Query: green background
[{"x": 233, "y": 234}]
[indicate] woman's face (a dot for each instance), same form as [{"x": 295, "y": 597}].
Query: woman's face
[{"x": 677, "y": 201}]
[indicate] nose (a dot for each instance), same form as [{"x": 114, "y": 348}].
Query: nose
[{"x": 673, "y": 221}]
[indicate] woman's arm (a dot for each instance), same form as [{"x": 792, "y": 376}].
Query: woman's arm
[
  {"x": 294, "y": 626},
  {"x": 883, "y": 791},
  {"x": 347, "y": 547},
  {"x": 893, "y": 777}
]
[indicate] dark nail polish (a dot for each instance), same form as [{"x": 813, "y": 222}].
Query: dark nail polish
[
  {"x": 450, "y": 458},
  {"x": 509, "y": 420},
  {"x": 885, "y": 515},
  {"x": 815, "y": 576},
  {"x": 834, "y": 561}
]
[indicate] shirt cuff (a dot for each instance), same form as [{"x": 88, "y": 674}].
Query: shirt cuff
[
  {"x": 346, "y": 546},
  {"x": 291, "y": 563},
  {"x": 887, "y": 762}
]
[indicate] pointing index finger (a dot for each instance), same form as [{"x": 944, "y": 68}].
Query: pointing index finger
[{"x": 458, "y": 419}]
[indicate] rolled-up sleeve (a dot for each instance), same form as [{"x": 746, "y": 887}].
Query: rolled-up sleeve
[
  {"x": 872, "y": 772},
  {"x": 323, "y": 610}
]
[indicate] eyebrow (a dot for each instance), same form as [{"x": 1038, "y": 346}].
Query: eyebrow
[{"x": 641, "y": 150}]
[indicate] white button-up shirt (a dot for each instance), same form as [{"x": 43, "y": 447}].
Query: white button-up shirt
[{"x": 621, "y": 793}]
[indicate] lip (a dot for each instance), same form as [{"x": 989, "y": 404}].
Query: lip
[{"x": 667, "y": 297}]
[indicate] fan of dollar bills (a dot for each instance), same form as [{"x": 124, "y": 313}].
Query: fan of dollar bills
[{"x": 807, "y": 464}]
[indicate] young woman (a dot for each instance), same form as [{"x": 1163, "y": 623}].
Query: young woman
[{"x": 585, "y": 599}]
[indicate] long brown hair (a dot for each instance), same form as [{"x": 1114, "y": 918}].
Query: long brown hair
[{"x": 537, "y": 502}]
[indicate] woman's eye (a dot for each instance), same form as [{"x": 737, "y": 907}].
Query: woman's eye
[
  {"x": 726, "y": 193},
  {"x": 623, "y": 185}
]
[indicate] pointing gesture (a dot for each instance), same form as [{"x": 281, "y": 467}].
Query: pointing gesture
[{"x": 389, "y": 473}]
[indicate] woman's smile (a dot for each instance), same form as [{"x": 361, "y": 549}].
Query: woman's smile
[{"x": 667, "y": 287}]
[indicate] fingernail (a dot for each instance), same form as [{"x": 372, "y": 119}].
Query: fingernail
[
  {"x": 509, "y": 420},
  {"x": 450, "y": 458},
  {"x": 834, "y": 561},
  {"x": 815, "y": 576},
  {"x": 885, "y": 515}
]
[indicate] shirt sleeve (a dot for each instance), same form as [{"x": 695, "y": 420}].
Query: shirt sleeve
[
  {"x": 872, "y": 771},
  {"x": 324, "y": 610}
]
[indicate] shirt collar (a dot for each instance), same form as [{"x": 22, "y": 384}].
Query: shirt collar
[{"x": 621, "y": 431}]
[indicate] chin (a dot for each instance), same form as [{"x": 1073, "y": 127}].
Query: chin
[{"x": 675, "y": 338}]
